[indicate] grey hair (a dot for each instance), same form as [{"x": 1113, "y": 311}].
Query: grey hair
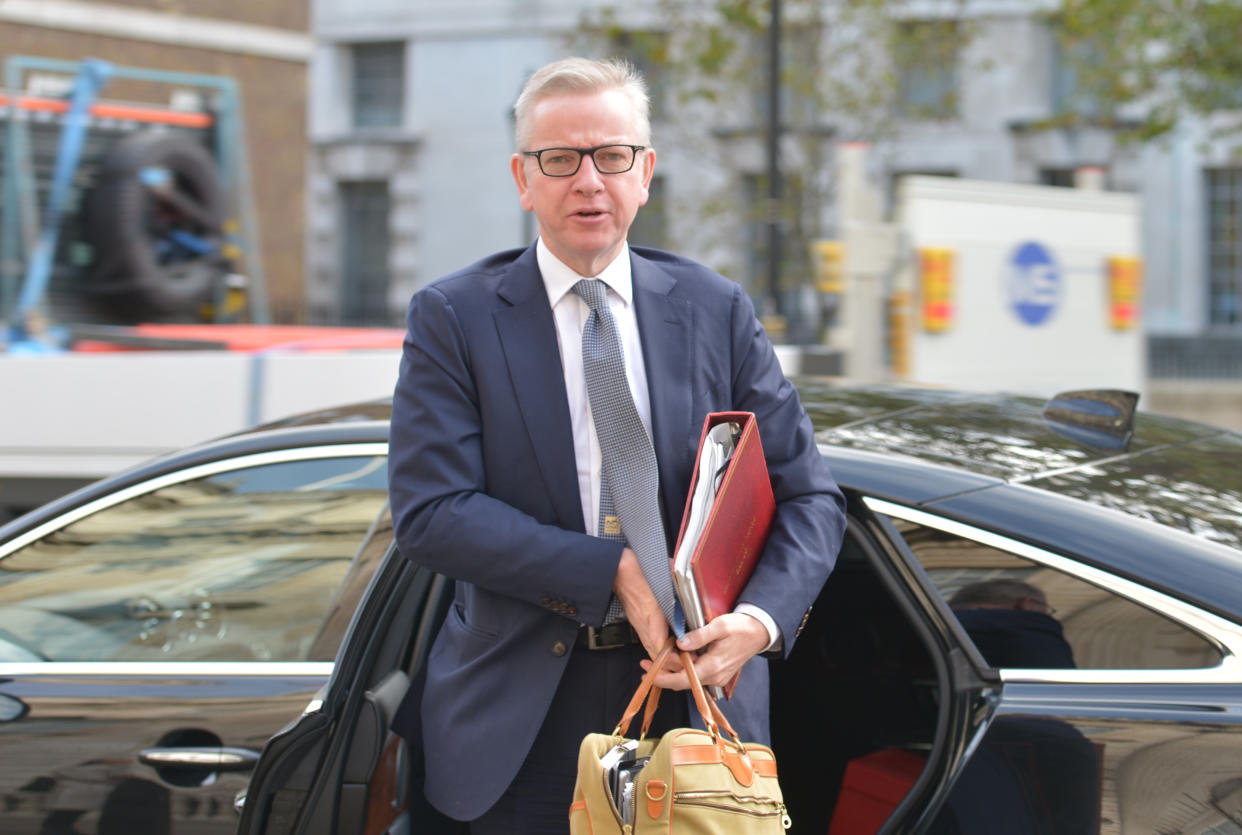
[
  {"x": 999, "y": 592},
  {"x": 583, "y": 75}
]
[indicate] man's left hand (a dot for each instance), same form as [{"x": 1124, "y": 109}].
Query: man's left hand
[{"x": 728, "y": 642}]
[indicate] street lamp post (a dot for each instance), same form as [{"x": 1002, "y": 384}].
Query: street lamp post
[{"x": 773, "y": 139}]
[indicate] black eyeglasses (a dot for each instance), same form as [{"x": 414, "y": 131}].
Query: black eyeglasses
[{"x": 565, "y": 162}]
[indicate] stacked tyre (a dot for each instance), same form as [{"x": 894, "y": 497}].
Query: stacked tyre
[{"x": 153, "y": 220}]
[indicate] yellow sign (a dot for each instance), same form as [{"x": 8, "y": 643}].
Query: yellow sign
[
  {"x": 936, "y": 285},
  {"x": 1125, "y": 287},
  {"x": 898, "y": 333},
  {"x": 829, "y": 258}
]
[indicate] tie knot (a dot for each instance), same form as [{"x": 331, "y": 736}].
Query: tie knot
[{"x": 594, "y": 292}]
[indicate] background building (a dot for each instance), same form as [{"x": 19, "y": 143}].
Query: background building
[{"x": 410, "y": 131}]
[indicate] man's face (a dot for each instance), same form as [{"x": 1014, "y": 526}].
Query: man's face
[{"x": 583, "y": 219}]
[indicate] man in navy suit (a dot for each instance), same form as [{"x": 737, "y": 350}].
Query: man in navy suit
[{"x": 495, "y": 469}]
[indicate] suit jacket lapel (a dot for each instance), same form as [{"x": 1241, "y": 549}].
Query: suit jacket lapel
[
  {"x": 665, "y": 325},
  {"x": 528, "y": 337}
]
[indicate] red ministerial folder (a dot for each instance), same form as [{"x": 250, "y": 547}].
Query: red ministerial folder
[{"x": 727, "y": 537}]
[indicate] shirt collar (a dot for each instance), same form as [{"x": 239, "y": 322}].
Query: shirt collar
[{"x": 559, "y": 278}]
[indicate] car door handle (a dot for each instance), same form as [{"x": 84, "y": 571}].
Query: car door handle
[{"x": 219, "y": 758}]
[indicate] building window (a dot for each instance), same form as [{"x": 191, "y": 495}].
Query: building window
[
  {"x": 650, "y": 227},
  {"x": 1071, "y": 68},
  {"x": 926, "y": 53},
  {"x": 1089, "y": 177},
  {"x": 378, "y": 84},
  {"x": 364, "y": 253},
  {"x": 648, "y": 52},
  {"x": 1224, "y": 251},
  {"x": 793, "y": 239},
  {"x": 755, "y": 235},
  {"x": 1061, "y": 177},
  {"x": 799, "y": 64}
]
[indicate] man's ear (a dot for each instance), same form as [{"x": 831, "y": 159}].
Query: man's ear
[
  {"x": 649, "y": 157},
  {"x": 517, "y": 164}
]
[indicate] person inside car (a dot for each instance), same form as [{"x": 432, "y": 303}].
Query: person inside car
[{"x": 1012, "y": 625}]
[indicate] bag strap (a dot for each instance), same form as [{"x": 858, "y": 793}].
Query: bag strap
[
  {"x": 708, "y": 704},
  {"x": 646, "y": 688},
  {"x": 701, "y": 699},
  {"x": 653, "y": 701},
  {"x": 713, "y": 717}
]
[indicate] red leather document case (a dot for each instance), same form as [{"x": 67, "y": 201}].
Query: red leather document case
[{"x": 735, "y": 528}]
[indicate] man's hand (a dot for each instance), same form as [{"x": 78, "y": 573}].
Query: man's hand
[
  {"x": 730, "y": 640},
  {"x": 642, "y": 609}
]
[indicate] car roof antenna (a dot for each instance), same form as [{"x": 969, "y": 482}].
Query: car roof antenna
[{"x": 1098, "y": 418}]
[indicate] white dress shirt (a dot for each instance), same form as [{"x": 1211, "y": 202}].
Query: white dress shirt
[{"x": 570, "y": 312}]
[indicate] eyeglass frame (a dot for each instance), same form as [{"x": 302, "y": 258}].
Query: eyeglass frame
[{"x": 583, "y": 153}]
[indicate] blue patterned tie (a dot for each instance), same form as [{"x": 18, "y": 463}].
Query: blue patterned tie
[{"x": 631, "y": 480}]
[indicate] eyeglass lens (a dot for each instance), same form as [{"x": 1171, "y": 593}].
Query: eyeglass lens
[{"x": 610, "y": 159}]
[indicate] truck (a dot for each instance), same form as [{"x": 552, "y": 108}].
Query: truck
[
  {"x": 131, "y": 282},
  {"x": 985, "y": 286}
]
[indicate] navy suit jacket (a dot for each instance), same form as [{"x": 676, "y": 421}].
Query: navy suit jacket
[{"x": 484, "y": 489}]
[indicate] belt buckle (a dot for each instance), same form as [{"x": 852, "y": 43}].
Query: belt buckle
[{"x": 593, "y": 639}]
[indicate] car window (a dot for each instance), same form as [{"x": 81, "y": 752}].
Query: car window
[
  {"x": 240, "y": 565},
  {"x": 349, "y": 593},
  {"x": 1020, "y": 613}
]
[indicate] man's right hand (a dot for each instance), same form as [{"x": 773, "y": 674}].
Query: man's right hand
[{"x": 642, "y": 609}]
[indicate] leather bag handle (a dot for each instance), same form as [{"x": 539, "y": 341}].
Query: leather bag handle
[
  {"x": 653, "y": 701},
  {"x": 701, "y": 700},
  {"x": 697, "y": 687},
  {"x": 645, "y": 689},
  {"x": 713, "y": 718}
]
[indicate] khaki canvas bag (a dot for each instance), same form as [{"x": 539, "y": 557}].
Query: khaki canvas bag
[{"x": 695, "y": 781}]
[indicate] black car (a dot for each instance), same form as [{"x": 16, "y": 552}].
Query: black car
[
  {"x": 1105, "y": 697},
  {"x": 907, "y": 705},
  {"x": 156, "y": 628}
]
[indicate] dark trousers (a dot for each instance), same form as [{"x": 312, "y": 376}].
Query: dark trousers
[{"x": 593, "y": 693}]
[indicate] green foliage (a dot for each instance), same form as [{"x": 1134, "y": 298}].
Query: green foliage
[
  {"x": 707, "y": 62},
  {"x": 855, "y": 70},
  {"x": 926, "y": 54},
  {"x": 1172, "y": 57},
  {"x": 718, "y": 46}
]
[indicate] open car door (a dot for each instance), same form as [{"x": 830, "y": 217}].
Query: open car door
[{"x": 338, "y": 769}]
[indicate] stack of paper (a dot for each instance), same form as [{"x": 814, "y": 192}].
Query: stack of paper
[
  {"x": 726, "y": 521},
  {"x": 714, "y": 455}
]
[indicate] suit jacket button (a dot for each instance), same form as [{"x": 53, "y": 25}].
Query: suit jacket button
[{"x": 559, "y": 649}]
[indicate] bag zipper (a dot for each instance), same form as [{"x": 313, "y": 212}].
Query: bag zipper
[
  {"x": 727, "y": 802},
  {"x": 626, "y": 828}
]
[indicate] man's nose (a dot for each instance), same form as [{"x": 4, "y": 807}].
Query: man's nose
[{"x": 588, "y": 178}]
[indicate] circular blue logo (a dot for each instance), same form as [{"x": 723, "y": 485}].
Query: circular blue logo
[{"x": 1034, "y": 283}]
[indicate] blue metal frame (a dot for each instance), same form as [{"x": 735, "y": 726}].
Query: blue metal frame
[{"x": 92, "y": 76}]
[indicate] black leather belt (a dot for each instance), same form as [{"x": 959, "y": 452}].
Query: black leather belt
[{"x": 612, "y": 636}]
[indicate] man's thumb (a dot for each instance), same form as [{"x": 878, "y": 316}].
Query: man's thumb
[{"x": 693, "y": 640}]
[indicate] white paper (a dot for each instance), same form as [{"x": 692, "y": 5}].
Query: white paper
[{"x": 717, "y": 449}]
